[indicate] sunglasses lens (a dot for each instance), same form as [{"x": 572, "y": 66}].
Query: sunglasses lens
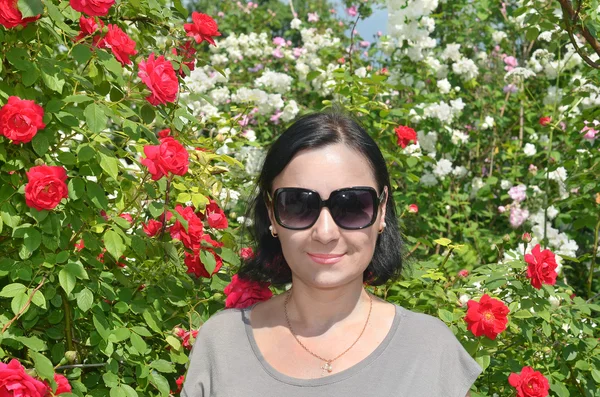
[
  {"x": 297, "y": 208},
  {"x": 353, "y": 209}
]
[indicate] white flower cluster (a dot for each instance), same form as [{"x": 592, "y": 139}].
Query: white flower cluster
[
  {"x": 518, "y": 74},
  {"x": 443, "y": 111},
  {"x": 290, "y": 111},
  {"x": 266, "y": 103},
  {"x": 498, "y": 36},
  {"x": 465, "y": 68},
  {"x": 279, "y": 83},
  {"x": 251, "y": 45},
  {"x": 409, "y": 21}
]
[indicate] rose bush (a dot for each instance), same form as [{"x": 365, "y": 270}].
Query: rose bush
[{"x": 140, "y": 127}]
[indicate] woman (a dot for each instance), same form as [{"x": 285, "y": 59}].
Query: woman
[{"x": 324, "y": 221}]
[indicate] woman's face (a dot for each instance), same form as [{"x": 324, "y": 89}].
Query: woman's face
[{"x": 324, "y": 170}]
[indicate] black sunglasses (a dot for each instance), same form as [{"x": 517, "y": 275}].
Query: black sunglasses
[{"x": 351, "y": 208}]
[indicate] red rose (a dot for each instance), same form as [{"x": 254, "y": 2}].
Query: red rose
[
  {"x": 196, "y": 267},
  {"x": 215, "y": 216},
  {"x": 405, "y": 135},
  {"x": 10, "y": 16},
  {"x": 487, "y": 317},
  {"x": 529, "y": 383},
  {"x": 541, "y": 267},
  {"x": 63, "y": 385},
  {"x": 79, "y": 245},
  {"x": 87, "y": 27},
  {"x": 46, "y": 187},
  {"x": 127, "y": 217},
  {"x": 208, "y": 239},
  {"x": 14, "y": 381},
  {"x": 93, "y": 8},
  {"x": 192, "y": 237},
  {"x": 463, "y": 273},
  {"x": 152, "y": 228},
  {"x": 246, "y": 253},
  {"x": 158, "y": 74},
  {"x": 188, "y": 57},
  {"x": 242, "y": 293},
  {"x": 179, "y": 383},
  {"x": 202, "y": 28},
  {"x": 413, "y": 208},
  {"x": 186, "y": 336},
  {"x": 169, "y": 156},
  {"x": 544, "y": 121},
  {"x": 20, "y": 119},
  {"x": 164, "y": 133},
  {"x": 121, "y": 45}
]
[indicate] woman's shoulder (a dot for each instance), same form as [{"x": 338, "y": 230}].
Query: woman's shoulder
[
  {"x": 227, "y": 322},
  {"x": 422, "y": 326}
]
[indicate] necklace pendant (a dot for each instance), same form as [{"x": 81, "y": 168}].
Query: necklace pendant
[{"x": 326, "y": 367}]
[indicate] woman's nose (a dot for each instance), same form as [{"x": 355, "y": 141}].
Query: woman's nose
[{"x": 325, "y": 229}]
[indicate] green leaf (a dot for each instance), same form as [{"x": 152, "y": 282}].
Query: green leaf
[
  {"x": 67, "y": 158},
  {"x": 445, "y": 316},
  {"x": 85, "y": 299},
  {"x": 443, "y": 241},
  {"x": 39, "y": 300},
  {"x": 85, "y": 154},
  {"x": 30, "y": 8},
  {"x": 129, "y": 391},
  {"x": 114, "y": 244},
  {"x": 148, "y": 114},
  {"x": 77, "y": 270},
  {"x": 95, "y": 118},
  {"x": 522, "y": 314},
  {"x": 119, "y": 335},
  {"x": 138, "y": 343},
  {"x": 151, "y": 321},
  {"x": 43, "y": 366},
  {"x": 18, "y": 302},
  {"x": 12, "y": 290},
  {"x": 483, "y": 361},
  {"x": 53, "y": 82},
  {"x": 66, "y": 280},
  {"x": 162, "y": 366},
  {"x": 160, "y": 383},
  {"x": 40, "y": 144},
  {"x": 76, "y": 188},
  {"x": 117, "y": 392},
  {"x": 173, "y": 341},
  {"x": 110, "y": 165},
  {"x": 208, "y": 260},
  {"x": 97, "y": 195},
  {"x": 34, "y": 343},
  {"x": 81, "y": 53}
]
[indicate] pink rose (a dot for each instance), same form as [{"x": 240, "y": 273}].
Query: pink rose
[{"x": 20, "y": 119}]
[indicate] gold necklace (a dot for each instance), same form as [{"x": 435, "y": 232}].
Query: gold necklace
[{"x": 327, "y": 365}]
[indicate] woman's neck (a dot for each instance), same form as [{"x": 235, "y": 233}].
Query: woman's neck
[{"x": 314, "y": 311}]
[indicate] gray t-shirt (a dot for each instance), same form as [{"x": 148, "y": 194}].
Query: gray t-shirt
[{"x": 420, "y": 356}]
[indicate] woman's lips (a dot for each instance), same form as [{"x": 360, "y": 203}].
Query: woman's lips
[{"x": 325, "y": 259}]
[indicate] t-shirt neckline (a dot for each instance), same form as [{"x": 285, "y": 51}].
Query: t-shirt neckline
[{"x": 347, "y": 373}]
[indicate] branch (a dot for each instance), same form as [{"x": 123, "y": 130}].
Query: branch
[
  {"x": 571, "y": 16},
  {"x": 26, "y": 305}
]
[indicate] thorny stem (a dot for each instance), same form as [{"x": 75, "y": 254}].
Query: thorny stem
[{"x": 593, "y": 265}]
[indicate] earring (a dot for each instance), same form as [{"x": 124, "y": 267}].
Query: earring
[
  {"x": 273, "y": 234},
  {"x": 382, "y": 227}
]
